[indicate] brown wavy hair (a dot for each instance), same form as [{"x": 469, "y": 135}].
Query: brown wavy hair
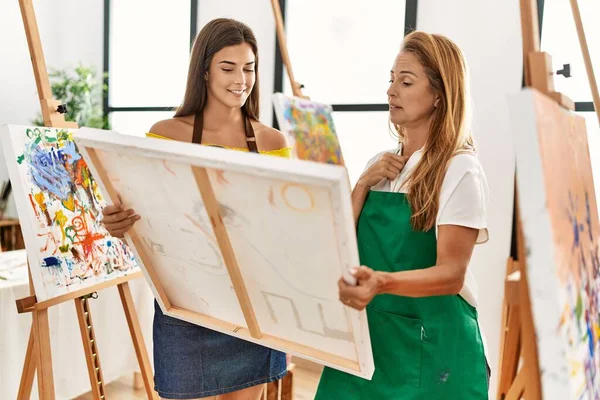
[
  {"x": 214, "y": 36},
  {"x": 449, "y": 134}
]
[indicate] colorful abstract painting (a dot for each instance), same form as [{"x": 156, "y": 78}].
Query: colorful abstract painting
[
  {"x": 309, "y": 126},
  {"x": 60, "y": 209},
  {"x": 562, "y": 235}
]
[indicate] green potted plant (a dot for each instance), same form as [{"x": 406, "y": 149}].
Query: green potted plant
[{"x": 81, "y": 91}]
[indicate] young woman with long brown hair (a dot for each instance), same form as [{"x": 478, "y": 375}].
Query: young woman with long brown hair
[
  {"x": 220, "y": 108},
  {"x": 420, "y": 210}
]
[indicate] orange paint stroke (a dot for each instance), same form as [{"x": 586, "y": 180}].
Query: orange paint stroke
[
  {"x": 33, "y": 205},
  {"x": 85, "y": 238},
  {"x": 49, "y": 238},
  {"x": 287, "y": 186}
]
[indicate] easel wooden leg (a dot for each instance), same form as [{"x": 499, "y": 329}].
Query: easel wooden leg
[
  {"x": 44, "y": 355},
  {"x": 510, "y": 341},
  {"x": 531, "y": 367},
  {"x": 518, "y": 387},
  {"x": 28, "y": 368},
  {"x": 138, "y": 339},
  {"x": 511, "y": 351},
  {"x": 282, "y": 389},
  {"x": 90, "y": 347}
]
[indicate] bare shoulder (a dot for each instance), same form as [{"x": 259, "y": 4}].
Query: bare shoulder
[
  {"x": 174, "y": 128},
  {"x": 269, "y": 138}
]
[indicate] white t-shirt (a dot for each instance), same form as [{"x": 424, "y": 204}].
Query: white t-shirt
[
  {"x": 464, "y": 197},
  {"x": 463, "y": 200}
]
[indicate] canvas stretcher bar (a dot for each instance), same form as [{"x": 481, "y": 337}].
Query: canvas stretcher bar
[
  {"x": 220, "y": 231},
  {"x": 173, "y": 248},
  {"x": 212, "y": 207},
  {"x": 219, "y": 325}
]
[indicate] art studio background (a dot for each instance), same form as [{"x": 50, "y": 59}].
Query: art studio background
[{"x": 341, "y": 51}]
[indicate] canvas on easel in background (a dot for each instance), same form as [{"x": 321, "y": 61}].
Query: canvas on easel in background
[
  {"x": 60, "y": 209},
  {"x": 71, "y": 256},
  {"x": 551, "y": 321},
  {"x": 309, "y": 127}
]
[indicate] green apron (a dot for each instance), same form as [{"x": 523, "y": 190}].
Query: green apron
[{"x": 426, "y": 348}]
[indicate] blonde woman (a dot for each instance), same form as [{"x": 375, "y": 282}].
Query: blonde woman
[{"x": 420, "y": 211}]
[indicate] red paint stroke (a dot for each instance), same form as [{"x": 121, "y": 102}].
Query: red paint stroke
[
  {"x": 199, "y": 226},
  {"x": 49, "y": 238},
  {"x": 86, "y": 239},
  {"x": 80, "y": 174},
  {"x": 167, "y": 168},
  {"x": 92, "y": 214}
]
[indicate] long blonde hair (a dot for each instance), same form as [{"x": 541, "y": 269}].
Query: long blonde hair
[{"x": 450, "y": 131}]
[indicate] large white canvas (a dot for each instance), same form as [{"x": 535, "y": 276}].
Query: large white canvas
[
  {"x": 290, "y": 224},
  {"x": 559, "y": 216},
  {"x": 60, "y": 209}
]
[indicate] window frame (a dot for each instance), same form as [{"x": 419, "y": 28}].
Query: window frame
[
  {"x": 410, "y": 24},
  {"x": 580, "y": 106},
  {"x": 107, "y": 109}
]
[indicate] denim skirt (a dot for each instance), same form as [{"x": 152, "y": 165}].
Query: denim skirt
[{"x": 191, "y": 361}]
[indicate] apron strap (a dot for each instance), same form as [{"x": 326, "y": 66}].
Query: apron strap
[{"x": 250, "y": 137}]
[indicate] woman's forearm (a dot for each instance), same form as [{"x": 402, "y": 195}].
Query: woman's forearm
[
  {"x": 359, "y": 195},
  {"x": 439, "y": 280}
]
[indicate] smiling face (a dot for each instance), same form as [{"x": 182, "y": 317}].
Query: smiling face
[
  {"x": 411, "y": 98},
  {"x": 231, "y": 76}
]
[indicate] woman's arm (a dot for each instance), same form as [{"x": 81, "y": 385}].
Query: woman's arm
[
  {"x": 388, "y": 166},
  {"x": 454, "y": 248},
  {"x": 359, "y": 195}
]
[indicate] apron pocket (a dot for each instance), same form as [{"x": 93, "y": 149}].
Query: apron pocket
[{"x": 396, "y": 343}]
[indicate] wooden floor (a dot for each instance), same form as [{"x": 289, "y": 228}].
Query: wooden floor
[{"x": 305, "y": 386}]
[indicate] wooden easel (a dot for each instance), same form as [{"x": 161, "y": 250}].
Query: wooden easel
[
  {"x": 519, "y": 364},
  {"x": 285, "y": 57},
  {"x": 39, "y": 355}
]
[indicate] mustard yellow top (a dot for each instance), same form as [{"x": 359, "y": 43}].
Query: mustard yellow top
[{"x": 284, "y": 152}]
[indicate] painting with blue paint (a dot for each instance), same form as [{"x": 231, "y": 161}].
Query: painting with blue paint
[
  {"x": 559, "y": 214},
  {"x": 60, "y": 209}
]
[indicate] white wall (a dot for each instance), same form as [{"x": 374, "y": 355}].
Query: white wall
[
  {"x": 258, "y": 15},
  {"x": 489, "y": 33},
  {"x": 71, "y": 31}
]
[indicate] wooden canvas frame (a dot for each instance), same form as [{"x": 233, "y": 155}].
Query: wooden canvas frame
[
  {"x": 559, "y": 218},
  {"x": 201, "y": 159}
]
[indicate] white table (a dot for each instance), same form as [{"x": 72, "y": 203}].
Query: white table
[{"x": 115, "y": 346}]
